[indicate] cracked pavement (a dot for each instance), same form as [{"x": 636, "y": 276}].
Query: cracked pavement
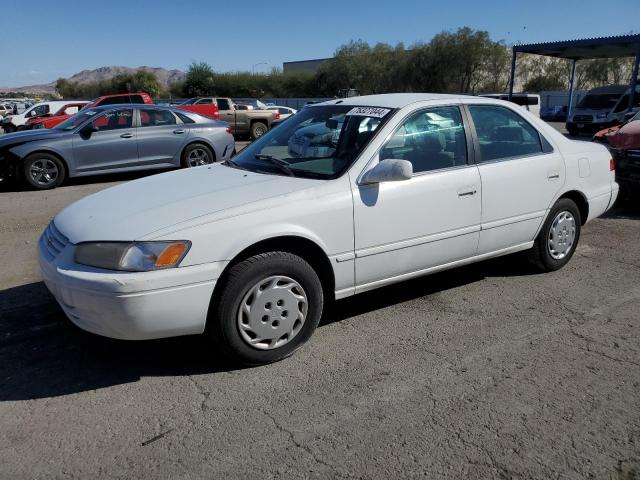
[{"x": 487, "y": 371}]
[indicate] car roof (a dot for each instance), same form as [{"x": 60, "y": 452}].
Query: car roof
[
  {"x": 391, "y": 100},
  {"x": 608, "y": 89}
]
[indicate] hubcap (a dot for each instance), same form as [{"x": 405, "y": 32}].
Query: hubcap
[
  {"x": 44, "y": 172},
  {"x": 562, "y": 235},
  {"x": 197, "y": 157},
  {"x": 272, "y": 312},
  {"x": 259, "y": 131}
]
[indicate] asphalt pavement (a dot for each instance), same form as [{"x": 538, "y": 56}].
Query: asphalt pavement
[{"x": 487, "y": 371}]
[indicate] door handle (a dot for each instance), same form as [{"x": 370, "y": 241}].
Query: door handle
[
  {"x": 467, "y": 191},
  {"x": 126, "y": 135},
  {"x": 553, "y": 175},
  {"x": 179, "y": 131}
]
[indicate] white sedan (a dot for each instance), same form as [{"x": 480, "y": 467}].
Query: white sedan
[{"x": 249, "y": 252}]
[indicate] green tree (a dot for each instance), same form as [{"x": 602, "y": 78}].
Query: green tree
[{"x": 199, "y": 80}]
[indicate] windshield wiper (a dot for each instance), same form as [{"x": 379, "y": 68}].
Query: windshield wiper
[
  {"x": 280, "y": 164},
  {"x": 233, "y": 164}
]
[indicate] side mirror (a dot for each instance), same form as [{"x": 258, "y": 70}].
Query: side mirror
[
  {"x": 88, "y": 129},
  {"x": 389, "y": 170}
]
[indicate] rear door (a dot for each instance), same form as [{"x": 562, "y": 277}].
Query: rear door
[
  {"x": 112, "y": 146},
  {"x": 521, "y": 174},
  {"x": 161, "y": 137}
]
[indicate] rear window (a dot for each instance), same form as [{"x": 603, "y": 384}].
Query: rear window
[{"x": 607, "y": 100}]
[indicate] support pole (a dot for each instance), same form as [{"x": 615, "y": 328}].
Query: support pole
[
  {"x": 571, "y": 87},
  {"x": 634, "y": 80},
  {"x": 513, "y": 73}
]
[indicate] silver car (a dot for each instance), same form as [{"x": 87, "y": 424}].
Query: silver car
[{"x": 114, "y": 138}]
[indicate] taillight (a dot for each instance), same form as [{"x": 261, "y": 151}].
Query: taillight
[
  {"x": 277, "y": 115},
  {"x": 612, "y": 165},
  {"x": 228, "y": 129}
]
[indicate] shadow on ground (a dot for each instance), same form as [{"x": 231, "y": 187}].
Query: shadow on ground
[{"x": 42, "y": 354}]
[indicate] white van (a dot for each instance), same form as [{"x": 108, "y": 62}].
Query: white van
[
  {"x": 600, "y": 108},
  {"x": 528, "y": 101},
  {"x": 11, "y": 123}
]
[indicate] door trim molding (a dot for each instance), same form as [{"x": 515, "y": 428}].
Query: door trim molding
[{"x": 412, "y": 242}]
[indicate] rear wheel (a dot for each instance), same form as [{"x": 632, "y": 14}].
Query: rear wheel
[
  {"x": 270, "y": 305},
  {"x": 258, "y": 129},
  {"x": 196, "y": 155},
  {"x": 558, "y": 238},
  {"x": 8, "y": 128},
  {"x": 43, "y": 171}
]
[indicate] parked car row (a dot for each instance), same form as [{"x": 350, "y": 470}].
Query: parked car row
[{"x": 113, "y": 138}]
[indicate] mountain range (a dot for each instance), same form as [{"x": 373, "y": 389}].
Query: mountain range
[{"x": 165, "y": 78}]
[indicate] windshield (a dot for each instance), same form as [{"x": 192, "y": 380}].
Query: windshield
[
  {"x": 318, "y": 142},
  {"x": 77, "y": 120},
  {"x": 601, "y": 101}
]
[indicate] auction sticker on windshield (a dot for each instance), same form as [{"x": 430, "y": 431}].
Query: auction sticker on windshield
[{"x": 369, "y": 111}]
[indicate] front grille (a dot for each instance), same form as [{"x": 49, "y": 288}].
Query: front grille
[
  {"x": 53, "y": 240},
  {"x": 583, "y": 118}
]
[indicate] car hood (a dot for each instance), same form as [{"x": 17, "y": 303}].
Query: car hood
[
  {"x": 137, "y": 209},
  {"x": 18, "y": 138}
]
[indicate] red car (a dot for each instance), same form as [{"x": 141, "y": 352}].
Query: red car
[
  {"x": 208, "y": 109},
  {"x": 50, "y": 121}
]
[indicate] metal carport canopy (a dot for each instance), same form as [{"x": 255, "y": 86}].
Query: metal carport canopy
[{"x": 583, "y": 49}]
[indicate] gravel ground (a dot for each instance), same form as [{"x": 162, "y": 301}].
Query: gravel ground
[{"x": 487, "y": 371}]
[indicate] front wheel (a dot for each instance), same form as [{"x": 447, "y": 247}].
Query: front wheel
[
  {"x": 558, "y": 238},
  {"x": 43, "y": 171},
  {"x": 270, "y": 305}
]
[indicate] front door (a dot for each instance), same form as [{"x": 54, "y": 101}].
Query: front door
[
  {"x": 112, "y": 145},
  {"x": 407, "y": 227}
]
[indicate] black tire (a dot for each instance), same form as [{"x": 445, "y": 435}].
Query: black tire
[
  {"x": 8, "y": 128},
  {"x": 258, "y": 129},
  {"x": 224, "y": 321},
  {"x": 540, "y": 255},
  {"x": 194, "y": 147},
  {"x": 56, "y": 171}
]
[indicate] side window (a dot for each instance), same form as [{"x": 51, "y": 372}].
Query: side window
[
  {"x": 115, "y": 120},
  {"x": 223, "y": 104},
  {"x": 284, "y": 111},
  {"x": 503, "y": 134},
  {"x": 204, "y": 101},
  {"x": 136, "y": 99},
  {"x": 184, "y": 118},
  {"x": 430, "y": 139},
  {"x": 71, "y": 110},
  {"x": 115, "y": 100},
  {"x": 156, "y": 118}
]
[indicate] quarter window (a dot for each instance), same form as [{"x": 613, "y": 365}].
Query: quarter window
[
  {"x": 503, "y": 134},
  {"x": 430, "y": 139}
]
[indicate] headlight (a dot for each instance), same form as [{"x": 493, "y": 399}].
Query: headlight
[{"x": 132, "y": 256}]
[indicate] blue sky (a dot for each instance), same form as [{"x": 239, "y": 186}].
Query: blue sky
[{"x": 46, "y": 39}]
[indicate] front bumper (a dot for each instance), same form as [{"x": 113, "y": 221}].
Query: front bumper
[
  {"x": 128, "y": 305},
  {"x": 587, "y": 127}
]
